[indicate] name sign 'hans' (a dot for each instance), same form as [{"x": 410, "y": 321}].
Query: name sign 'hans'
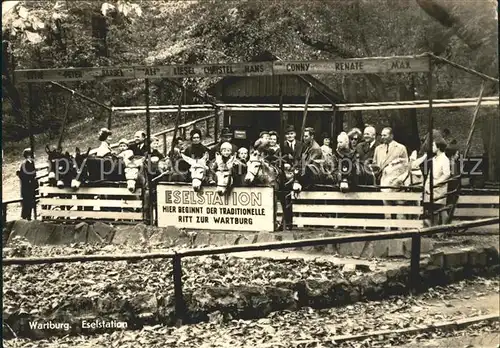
[
  {"x": 345, "y": 66},
  {"x": 243, "y": 209}
]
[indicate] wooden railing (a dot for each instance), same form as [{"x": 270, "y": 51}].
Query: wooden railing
[
  {"x": 176, "y": 257},
  {"x": 211, "y": 126}
]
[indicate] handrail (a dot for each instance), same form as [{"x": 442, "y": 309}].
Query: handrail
[{"x": 365, "y": 237}]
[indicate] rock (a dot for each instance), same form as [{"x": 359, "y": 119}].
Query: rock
[
  {"x": 455, "y": 258},
  {"x": 380, "y": 248},
  {"x": 349, "y": 268},
  {"x": 105, "y": 231},
  {"x": 437, "y": 259},
  {"x": 368, "y": 251},
  {"x": 169, "y": 235},
  {"x": 130, "y": 234},
  {"x": 351, "y": 249},
  {"x": 284, "y": 236},
  {"x": 6, "y": 231},
  {"x": 202, "y": 238},
  {"x": 477, "y": 257},
  {"x": 396, "y": 247},
  {"x": 218, "y": 239},
  {"x": 492, "y": 255},
  {"x": 318, "y": 293},
  {"x": 231, "y": 238},
  {"x": 265, "y": 237},
  {"x": 35, "y": 231},
  {"x": 426, "y": 246},
  {"x": 244, "y": 239}
]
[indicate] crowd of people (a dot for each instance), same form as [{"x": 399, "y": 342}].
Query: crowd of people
[{"x": 368, "y": 157}]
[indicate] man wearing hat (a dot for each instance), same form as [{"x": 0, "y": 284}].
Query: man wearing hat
[
  {"x": 293, "y": 147},
  {"x": 29, "y": 184},
  {"x": 225, "y": 137},
  {"x": 104, "y": 137},
  {"x": 139, "y": 145}
]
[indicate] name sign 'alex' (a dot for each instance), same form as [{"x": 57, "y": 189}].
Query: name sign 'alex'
[{"x": 244, "y": 209}]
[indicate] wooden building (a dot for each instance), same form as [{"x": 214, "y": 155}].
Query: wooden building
[{"x": 247, "y": 125}]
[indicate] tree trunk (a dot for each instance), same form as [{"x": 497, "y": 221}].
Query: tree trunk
[
  {"x": 99, "y": 34},
  {"x": 11, "y": 92}
]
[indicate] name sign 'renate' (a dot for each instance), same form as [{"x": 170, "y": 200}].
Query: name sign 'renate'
[
  {"x": 354, "y": 66},
  {"x": 244, "y": 209}
]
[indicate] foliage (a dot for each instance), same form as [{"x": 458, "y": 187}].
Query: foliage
[{"x": 90, "y": 33}]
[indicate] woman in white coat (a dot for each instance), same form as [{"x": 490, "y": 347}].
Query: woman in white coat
[{"x": 441, "y": 171}]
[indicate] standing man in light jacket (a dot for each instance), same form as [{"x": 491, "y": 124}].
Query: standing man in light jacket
[{"x": 388, "y": 158}]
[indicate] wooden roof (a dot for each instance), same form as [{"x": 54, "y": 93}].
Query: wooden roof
[{"x": 317, "y": 85}]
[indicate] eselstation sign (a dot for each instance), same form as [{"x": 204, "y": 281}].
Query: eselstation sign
[
  {"x": 344, "y": 66},
  {"x": 243, "y": 209}
]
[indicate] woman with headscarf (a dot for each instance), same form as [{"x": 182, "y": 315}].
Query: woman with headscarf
[{"x": 354, "y": 137}]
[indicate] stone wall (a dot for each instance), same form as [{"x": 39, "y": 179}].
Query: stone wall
[{"x": 41, "y": 233}]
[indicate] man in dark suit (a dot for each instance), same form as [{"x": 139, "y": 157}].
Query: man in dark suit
[
  {"x": 139, "y": 145},
  {"x": 311, "y": 154},
  {"x": 365, "y": 152},
  {"x": 29, "y": 184},
  {"x": 293, "y": 148}
]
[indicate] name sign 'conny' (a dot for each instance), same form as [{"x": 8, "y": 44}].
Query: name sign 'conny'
[{"x": 243, "y": 209}]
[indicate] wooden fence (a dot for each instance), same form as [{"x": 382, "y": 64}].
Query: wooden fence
[
  {"x": 92, "y": 203},
  {"x": 358, "y": 209},
  {"x": 472, "y": 206}
]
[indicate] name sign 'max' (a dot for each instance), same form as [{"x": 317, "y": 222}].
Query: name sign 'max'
[
  {"x": 244, "y": 209},
  {"x": 345, "y": 66}
]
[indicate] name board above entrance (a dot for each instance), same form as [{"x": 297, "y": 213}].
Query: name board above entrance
[
  {"x": 354, "y": 66},
  {"x": 243, "y": 209},
  {"x": 345, "y": 66}
]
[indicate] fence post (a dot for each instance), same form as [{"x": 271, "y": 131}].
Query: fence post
[
  {"x": 165, "y": 144},
  {"x": 178, "y": 296},
  {"x": 415, "y": 262},
  {"x": 4, "y": 213},
  {"x": 216, "y": 124},
  {"x": 207, "y": 129}
]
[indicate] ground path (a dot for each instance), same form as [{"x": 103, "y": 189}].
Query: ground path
[{"x": 316, "y": 328}]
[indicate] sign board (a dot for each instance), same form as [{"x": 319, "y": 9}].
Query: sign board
[
  {"x": 354, "y": 66},
  {"x": 345, "y": 66},
  {"x": 207, "y": 70},
  {"x": 243, "y": 209},
  {"x": 75, "y": 74},
  {"x": 240, "y": 134}
]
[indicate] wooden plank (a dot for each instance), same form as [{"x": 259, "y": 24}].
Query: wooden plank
[
  {"x": 205, "y": 70},
  {"x": 114, "y": 191},
  {"x": 322, "y": 221},
  {"x": 356, "y": 209},
  {"x": 361, "y": 196},
  {"x": 93, "y": 202},
  {"x": 353, "y": 66},
  {"x": 92, "y": 214},
  {"x": 342, "y": 66},
  {"x": 476, "y": 199},
  {"x": 476, "y": 212},
  {"x": 75, "y": 74}
]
